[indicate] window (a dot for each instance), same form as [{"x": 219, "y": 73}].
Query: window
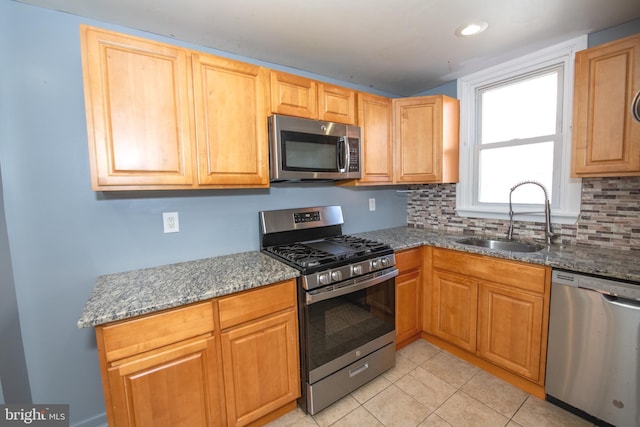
[{"x": 516, "y": 126}]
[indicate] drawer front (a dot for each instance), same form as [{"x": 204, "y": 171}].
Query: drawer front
[
  {"x": 521, "y": 275},
  {"x": 409, "y": 259},
  {"x": 246, "y": 306},
  {"x": 156, "y": 330}
]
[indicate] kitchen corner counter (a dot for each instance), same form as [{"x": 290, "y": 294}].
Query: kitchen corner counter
[
  {"x": 123, "y": 295},
  {"x": 610, "y": 263}
]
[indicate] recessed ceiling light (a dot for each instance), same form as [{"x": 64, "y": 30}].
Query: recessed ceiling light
[{"x": 471, "y": 29}]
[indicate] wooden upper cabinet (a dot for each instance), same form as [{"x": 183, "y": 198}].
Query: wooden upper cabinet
[
  {"x": 138, "y": 111},
  {"x": 606, "y": 138},
  {"x": 294, "y": 95},
  {"x": 163, "y": 117},
  {"x": 374, "y": 119},
  {"x": 336, "y": 104},
  {"x": 301, "y": 97},
  {"x": 231, "y": 108},
  {"x": 426, "y": 139}
]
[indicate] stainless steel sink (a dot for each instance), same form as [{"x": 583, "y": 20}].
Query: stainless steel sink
[{"x": 502, "y": 244}]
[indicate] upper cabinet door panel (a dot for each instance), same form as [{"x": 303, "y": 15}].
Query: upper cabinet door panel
[
  {"x": 417, "y": 136},
  {"x": 294, "y": 95},
  {"x": 426, "y": 139},
  {"x": 137, "y": 105},
  {"x": 606, "y": 138},
  {"x": 336, "y": 104},
  {"x": 231, "y": 104},
  {"x": 374, "y": 119}
]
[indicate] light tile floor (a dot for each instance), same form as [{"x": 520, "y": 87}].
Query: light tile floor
[{"x": 430, "y": 387}]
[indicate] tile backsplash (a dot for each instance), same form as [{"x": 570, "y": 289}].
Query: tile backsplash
[{"x": 609, "y": 215}]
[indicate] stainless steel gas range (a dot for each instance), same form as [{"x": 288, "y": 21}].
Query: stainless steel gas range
[{"x": 346, "y": 300}]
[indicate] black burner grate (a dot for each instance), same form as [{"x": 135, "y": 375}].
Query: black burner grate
[{"x": 330, "y": 250}]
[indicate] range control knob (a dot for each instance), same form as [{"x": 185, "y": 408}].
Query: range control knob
[
  {"x": 336, "y": 276},
  {"x": 357, "y": 270},
  {"x": 375, "y": 264},
  {"x": 324, "y": 278},
  {"x": 385, "y": 262}
]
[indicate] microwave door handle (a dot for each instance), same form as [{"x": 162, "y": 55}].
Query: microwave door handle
[{"x": 343, "y": 164}]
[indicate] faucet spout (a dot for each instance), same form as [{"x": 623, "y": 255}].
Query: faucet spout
[{"x": 548, "y": 230}]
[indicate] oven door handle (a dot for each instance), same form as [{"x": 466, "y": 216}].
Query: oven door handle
[{"x": 333, "y": 292}]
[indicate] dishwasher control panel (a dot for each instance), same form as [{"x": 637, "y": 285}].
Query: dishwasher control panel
[{"x": 606, "y": 286}]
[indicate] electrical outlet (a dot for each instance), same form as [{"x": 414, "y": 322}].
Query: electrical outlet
[
  {"x": 372, "y": 204},
  {"x": 170, "y": 222}
]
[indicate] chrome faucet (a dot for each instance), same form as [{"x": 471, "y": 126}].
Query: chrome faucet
[{"x": 548, "y": 232}]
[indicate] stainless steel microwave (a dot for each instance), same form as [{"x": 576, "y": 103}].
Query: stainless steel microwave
[{"x": 303, "y": 149}]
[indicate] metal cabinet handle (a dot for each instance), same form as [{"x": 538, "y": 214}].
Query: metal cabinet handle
[{"x": 635, "y": 107}]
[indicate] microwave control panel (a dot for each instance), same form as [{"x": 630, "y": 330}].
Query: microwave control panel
[{"x": 354, "y": 155}]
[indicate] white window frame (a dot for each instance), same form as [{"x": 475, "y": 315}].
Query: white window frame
[{"x": 565, "y": 203}]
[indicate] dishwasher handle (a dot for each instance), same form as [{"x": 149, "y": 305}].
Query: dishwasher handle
[{"x": 622, "y": 302}]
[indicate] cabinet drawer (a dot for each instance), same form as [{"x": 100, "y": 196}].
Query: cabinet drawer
[
  {"x": 156, "y": 330},
  {"x": 409, "y": 259},
  {"x": 240, "y": 308},
  {"x": 521, "y": 275}
]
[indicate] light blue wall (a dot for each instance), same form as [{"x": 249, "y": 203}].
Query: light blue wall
[
  {"x": 62, "y": 235},
  {"x": 13, "y": 369}
]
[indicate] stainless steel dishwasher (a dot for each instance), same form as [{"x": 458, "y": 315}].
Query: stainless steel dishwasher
[{"x": 593, "y": 359}]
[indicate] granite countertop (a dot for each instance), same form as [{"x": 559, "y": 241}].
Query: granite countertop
[
  {"x": 616, "y": 264},
  {"x": 124, "y": 295}
]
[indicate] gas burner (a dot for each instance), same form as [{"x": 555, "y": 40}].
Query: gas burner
[
  {"x": 319, "y": 245},
  {"x": 301, "y": 254},
  {"x": 333, "y": 249},
  {"x": 358, "y": 243}
]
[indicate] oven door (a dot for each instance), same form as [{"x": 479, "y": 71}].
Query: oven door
[{"x": 345, "y": 323}]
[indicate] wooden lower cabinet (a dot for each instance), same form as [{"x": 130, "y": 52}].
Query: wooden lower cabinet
[
  {"x": 260, "y": 367},
  {"x": 173, "y": 386},
  {"x": 408, "y": 296},
  {"x": 229, "y": 361},
  {"x": 492, "y": 312},
  {"x": 510, "y": 329},
  {"x": 455, "y": 309}
]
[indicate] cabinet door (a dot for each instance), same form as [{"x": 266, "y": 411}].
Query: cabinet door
[
  {"x": 173, "y": 386},
  {"x": 455, "y": 308},
  {"x": 374, "y": 119},
  {"x": 261, "y": 366},
  {"x": 294, "y": 95},
  {"x": 408, "y": 310},
  {"x": 231, "y": 109},
  {"x": 606, "y": 139},
  {"x": 336, "y": 104},
  {"x": 426, "y": 139},
  {"x": 138, "y": 112},
  {"x": 510, "y": 329}
]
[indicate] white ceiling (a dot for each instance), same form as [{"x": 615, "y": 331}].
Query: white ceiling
[{"x": 401, "y": 47}]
